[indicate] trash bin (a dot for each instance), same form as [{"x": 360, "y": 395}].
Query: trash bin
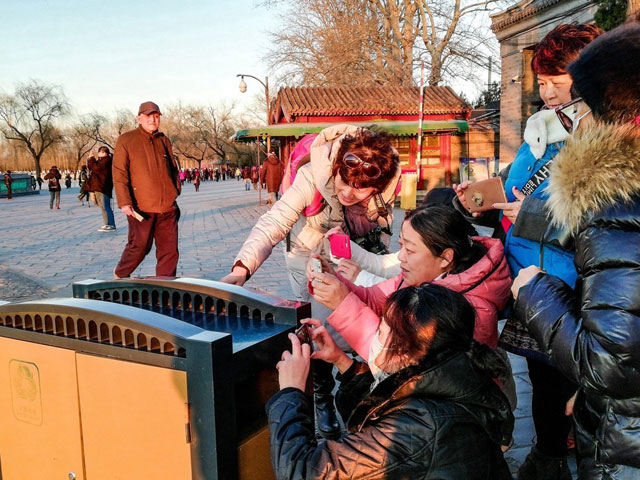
[
  {"x": 258, "y": 323},
  {"x": 98, "y": 390},
  {"x": 408, "y": 191}
]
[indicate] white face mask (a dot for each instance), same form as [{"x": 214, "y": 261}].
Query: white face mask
[{"x": 375, "y": 349}]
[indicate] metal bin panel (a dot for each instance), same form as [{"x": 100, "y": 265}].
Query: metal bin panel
[
  {"x": 39, "y": 421},
  {"x": 135, "y": 421}
]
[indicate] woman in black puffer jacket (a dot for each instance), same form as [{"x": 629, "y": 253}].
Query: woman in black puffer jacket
[
  {"x": 592, "y": 334},
  {"x": 424, "y": 407}
]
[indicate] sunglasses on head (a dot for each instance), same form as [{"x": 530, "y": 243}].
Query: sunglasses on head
[
  {"x": 566, "y": 114},
  {"x": 353, "y": 162}
]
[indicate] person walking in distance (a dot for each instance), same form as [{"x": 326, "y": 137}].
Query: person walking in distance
[
  {"x": 8, "y": 180},
  {"x": 273, "y": 172},
  {"x": 83, "y": 178},
  {"x": 145, "y": 177},
  {"x": 54, "y": 177}
]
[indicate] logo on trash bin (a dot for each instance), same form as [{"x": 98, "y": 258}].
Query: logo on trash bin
[{"x": 25, "y": 391}]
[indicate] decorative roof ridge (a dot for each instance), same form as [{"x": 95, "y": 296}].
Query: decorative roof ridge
[{"x": 514, "y": 15}]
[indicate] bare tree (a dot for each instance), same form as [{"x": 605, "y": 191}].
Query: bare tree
[
  {"x": 185, "y": 126},
  {"x": 81, "y": 142},
  {"x": 379, "y": 42},
  {"x": 337, "y": 42},
  {"x": 198, "y": 133},
  {"x": 455, "y": 37},
  {"x": 106, "y": 130},
  {"x": 29, "y": 117}
]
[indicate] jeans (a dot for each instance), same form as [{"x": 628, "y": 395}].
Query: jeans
[
  {"x": 54, "y": 195},
  {"x": 104, "y": 202}
]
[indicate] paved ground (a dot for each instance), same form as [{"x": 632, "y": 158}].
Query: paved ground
[{"x": 43, "y": 251}]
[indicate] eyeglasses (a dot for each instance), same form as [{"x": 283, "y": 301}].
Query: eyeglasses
[
  {"x": 566, "y": 114},
  {"x": 353, "y": 162}
]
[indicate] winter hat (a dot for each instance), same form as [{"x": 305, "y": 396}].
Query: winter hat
[{"x": 607, "y": 74}]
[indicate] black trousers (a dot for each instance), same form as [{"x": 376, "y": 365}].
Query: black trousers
[{"x": 551, "y": 391}]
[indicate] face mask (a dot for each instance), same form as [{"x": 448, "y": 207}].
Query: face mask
[{"x": 375, "y": 349}]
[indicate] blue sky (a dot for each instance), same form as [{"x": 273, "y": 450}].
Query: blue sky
[{"x": 114, "y": 54}]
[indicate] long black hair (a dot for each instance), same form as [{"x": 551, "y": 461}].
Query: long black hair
[
  {"x": 442, "y": 227},
  {"x": 430, "y": 321}
]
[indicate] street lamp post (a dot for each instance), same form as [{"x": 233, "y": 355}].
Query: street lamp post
[
  {"x": 243, "y": 89},
  {"x": 265, "y": 84}
]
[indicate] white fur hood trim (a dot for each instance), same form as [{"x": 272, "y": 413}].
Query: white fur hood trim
[
  {"x": 598, "y": 167},
  {"x": 543, "y": 128}
]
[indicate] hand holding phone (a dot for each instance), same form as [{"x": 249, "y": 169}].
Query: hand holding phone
[
  {"x": 340, "y": 245},
  {"x": 480, "y": 196},
  {"x": 316, "y": 265},
  {"x": 303, "y": 334}
]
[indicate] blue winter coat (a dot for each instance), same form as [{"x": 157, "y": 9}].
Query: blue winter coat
[{"x": 533, "y": 220}]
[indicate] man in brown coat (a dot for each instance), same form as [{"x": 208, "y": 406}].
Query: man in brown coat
[{"x": 145, "y": 177}]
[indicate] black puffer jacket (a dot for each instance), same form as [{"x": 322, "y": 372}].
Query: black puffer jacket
[
  {"x": 441, "y": 422},
  {"x": 592, "y": 334}
]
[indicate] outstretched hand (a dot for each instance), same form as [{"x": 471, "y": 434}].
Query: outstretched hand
[
  {"x": 293, "y": 369},
  {"x": 238, "y": 276}
]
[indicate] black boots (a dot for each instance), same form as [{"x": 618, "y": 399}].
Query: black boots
[
  {"x": 327, "y": 423},
  {"x": 538, "y": 466}
]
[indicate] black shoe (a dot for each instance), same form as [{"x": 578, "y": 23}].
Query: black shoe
[
  {"x": 326, "y": 417},
  {"x": 327, "y": 423},
  {"x": 538, "y": 466}
]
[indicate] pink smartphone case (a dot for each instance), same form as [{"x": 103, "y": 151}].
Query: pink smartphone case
[{"x": 340, "y": 245}]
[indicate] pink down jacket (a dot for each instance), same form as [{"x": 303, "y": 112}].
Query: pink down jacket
[{"x": 486, "y": 285}]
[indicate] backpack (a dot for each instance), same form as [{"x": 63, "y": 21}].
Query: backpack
[{"x": 301, "y": 150}]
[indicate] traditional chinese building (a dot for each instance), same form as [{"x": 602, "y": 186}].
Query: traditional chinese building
[{"x": 446, "y": 137}]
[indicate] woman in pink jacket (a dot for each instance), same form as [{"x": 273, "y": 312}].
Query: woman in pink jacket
[{"x": 437, "y": 246}]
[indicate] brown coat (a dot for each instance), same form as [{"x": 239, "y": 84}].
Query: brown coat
[
  {"x": 100, "y": 177},
  {"x": 273, "y": 172},
  {"x": 140, "y": 174}
]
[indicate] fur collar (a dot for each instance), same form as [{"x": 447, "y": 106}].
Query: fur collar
[{"x": 598, "y": 167}]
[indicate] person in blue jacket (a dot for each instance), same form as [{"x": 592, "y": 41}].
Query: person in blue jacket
[{"x": 523, "y": 223}]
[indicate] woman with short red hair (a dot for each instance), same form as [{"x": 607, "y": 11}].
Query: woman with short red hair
[{"x": 523, "y": 221}]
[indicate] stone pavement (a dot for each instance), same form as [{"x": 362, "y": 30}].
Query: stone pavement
[{"x": 43, "y": 251}]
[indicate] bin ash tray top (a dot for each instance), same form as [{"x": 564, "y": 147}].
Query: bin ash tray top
[{"x": 249, "y": 316}]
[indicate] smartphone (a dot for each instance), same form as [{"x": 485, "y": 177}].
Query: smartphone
[
  {"x": 482, "y": 195},
  {"x": 303, "y": 335},
  {"x": 316, "y": 265},
  {"x": 340, "y": 245}
]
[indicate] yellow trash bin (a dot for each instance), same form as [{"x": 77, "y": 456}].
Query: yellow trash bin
[{"x": 408, "y": 190}]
